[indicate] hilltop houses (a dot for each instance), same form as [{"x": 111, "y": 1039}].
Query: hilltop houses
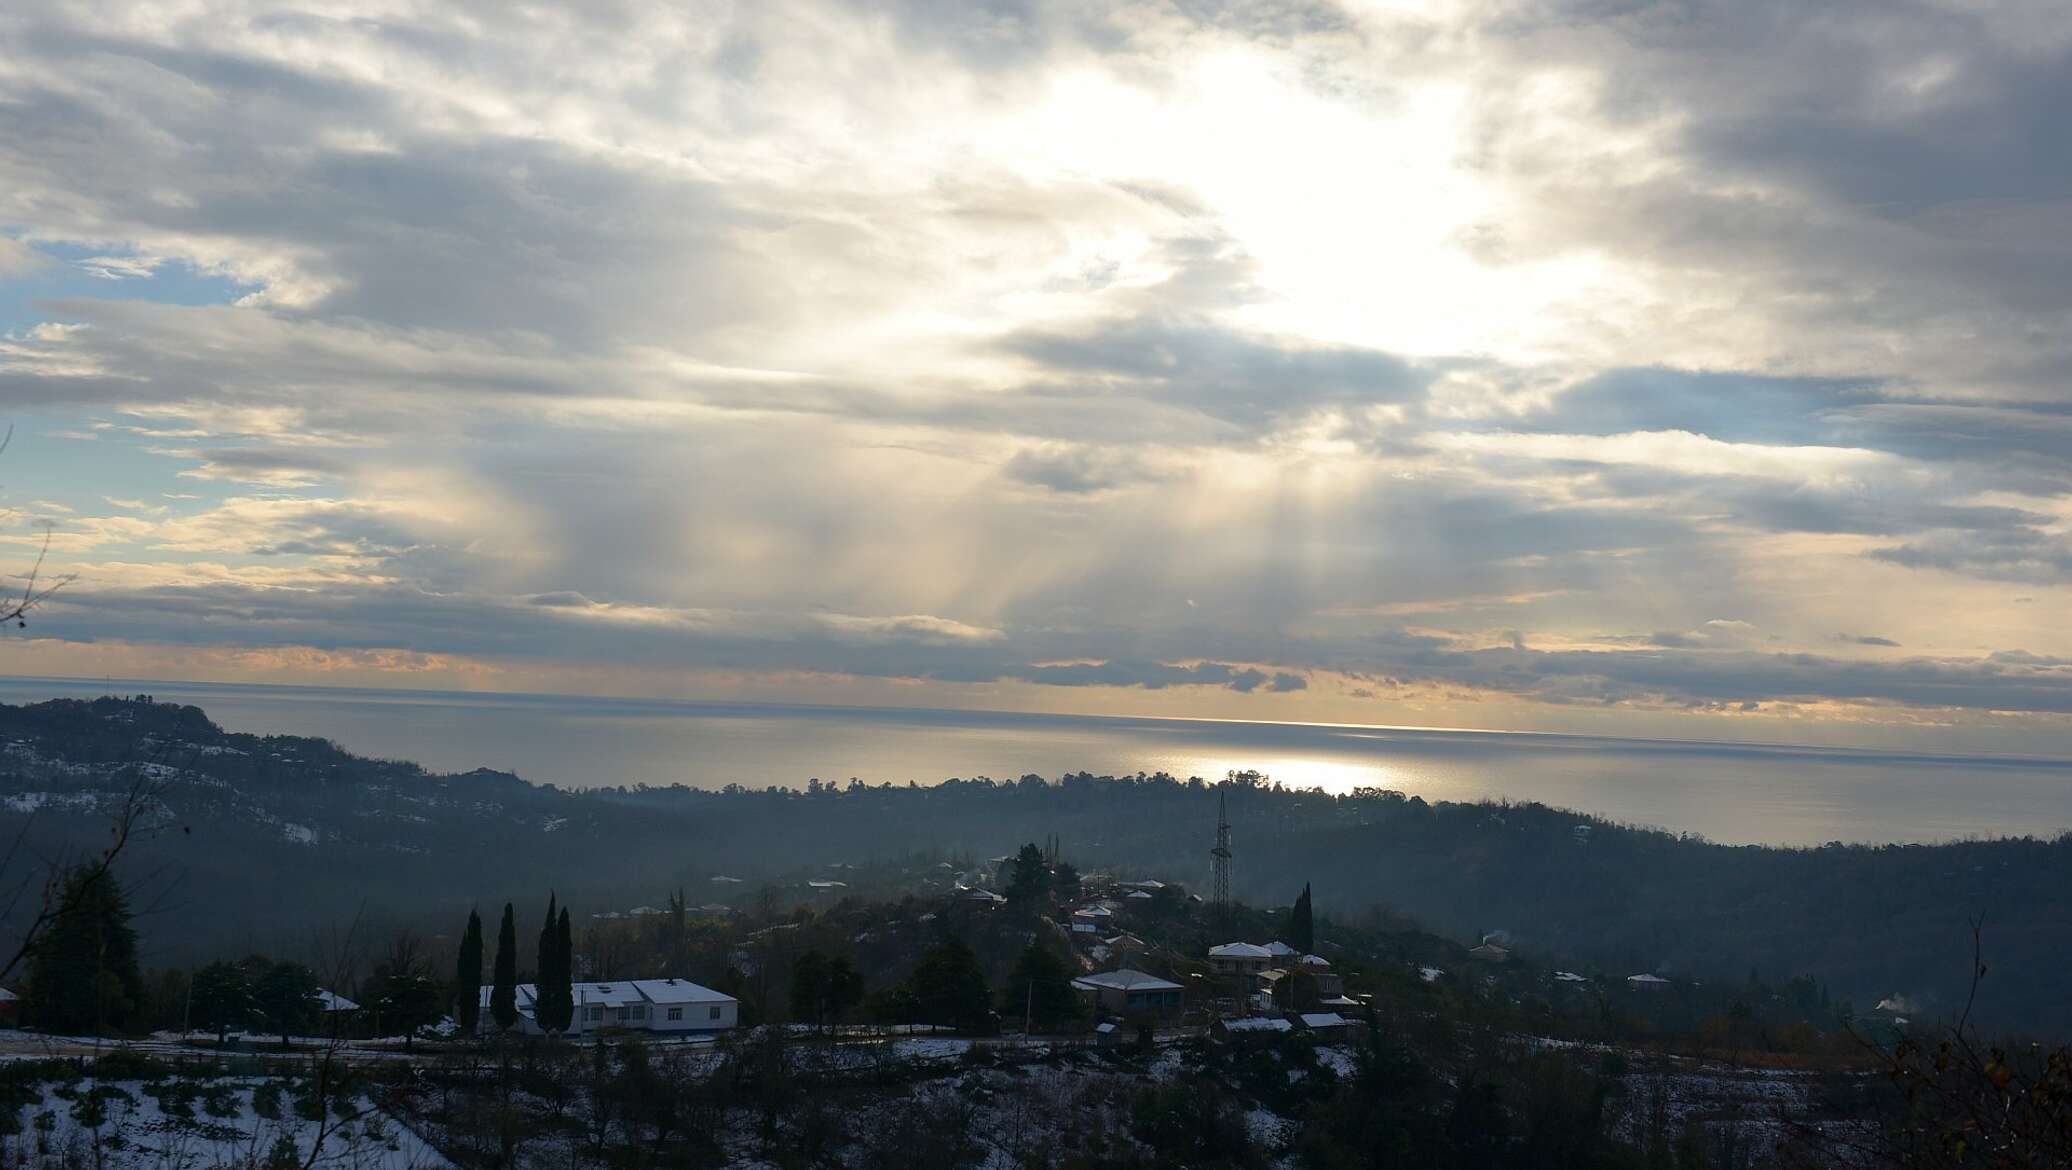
[
  {"x": 663, "y": 1006},
  {"x": 1274, "y": 976},
  {"x": 1239, "y": 958}
]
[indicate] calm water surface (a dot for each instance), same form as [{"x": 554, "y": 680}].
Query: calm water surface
[{"x": 1731, "y": 793}]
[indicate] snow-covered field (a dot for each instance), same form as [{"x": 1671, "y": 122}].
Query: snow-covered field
[{"x": 179, "y": 1123}]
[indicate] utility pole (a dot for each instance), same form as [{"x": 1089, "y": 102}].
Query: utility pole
[{"x": 1221, "y": 854}]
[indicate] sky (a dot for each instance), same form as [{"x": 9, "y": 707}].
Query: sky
[{"x": 1684, "y": 368}]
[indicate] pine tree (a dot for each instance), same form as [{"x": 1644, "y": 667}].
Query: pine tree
[
  {"x": 220, "y": 998},
  {"x": 503, "y": 995},
  {"x": 286, "y": 995},
  {"x": 468, "y": 977},
  {"x": 1040, "y": 989},
  {"x": 1028, "y": 883},
  {"x": 83, "y": 974},
  {"x": 949, "y": 987},
  {"x": 1302, "y": 927},
  {"x": 546, "y": 999}
]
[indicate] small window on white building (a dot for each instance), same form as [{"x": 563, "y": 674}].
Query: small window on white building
[
  {"x": 596, "y": 1013},
  {"x": 676, "y": 1013},
  {"x": 715, "y": 1014}
]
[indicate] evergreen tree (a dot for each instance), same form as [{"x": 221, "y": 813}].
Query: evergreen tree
[
  {"x": 1028, "y": 882},
  {"x": 286, "y": 996},
  {"x": 221, "y": 998},
  {"x": 83, "y": 973},
  {"x": 1041, "y": 990},
  {"x": 949, "y": 987},
  {"x": 404, "y": 998},
  {"x": 565, "y": 971},
  {"x": 503, "y": 993},
  {"x": 546, "y": 999},
  {"x": 1302, "y": 928},
  {"x": 824, "y": 988},
  {"x": 467, "y": 977}
]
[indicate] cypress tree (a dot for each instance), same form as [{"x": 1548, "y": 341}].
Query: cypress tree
[
  {"x": 503, "y": 995},
  {"x": 1302, "y": 927},
  {"x": 467, "y": 977},
  {"x": 565, "y": 970},
  {"x": 546, "y": 998}
]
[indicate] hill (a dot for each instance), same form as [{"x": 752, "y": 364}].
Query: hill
[{"x": 265, "y": 840}]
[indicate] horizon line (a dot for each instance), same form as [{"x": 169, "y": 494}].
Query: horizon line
[{"x": 1868, "y": 753}]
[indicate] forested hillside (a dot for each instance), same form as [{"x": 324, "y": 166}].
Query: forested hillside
[{"x": 265, "y": 842}]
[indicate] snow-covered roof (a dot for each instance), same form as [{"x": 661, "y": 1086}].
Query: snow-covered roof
[
  {"x": 623, "y": 992},
  {"x": 1140, "y": 894},
  {"x": 334, "y": 1002},
  {"x": 1340, "y": 1001},
  {"x": 677, "y": 991},
  {"x": 1105, "y": 1027},
  {"x": 1258, "y": 1024},
  {"x": 1146, "y": 884},
  {"x": 1281, "y": 950},
  {"x": 1428, "y": 974},
  {"x": 1315, "y": 961},
  {"x": 1645, "y": 978},
  {"x": 1568, "y": 977},
  {"x": 1324, "y": 1020},
  {"x": 1126, "y": 980},
  {"x": 7, "y": 996},
  {"x": 819, "y": 884},
  {"x": 1240, "y": 950},
  {"x": 1093, "y": 912},
  {"x": 526, "y": 992}
]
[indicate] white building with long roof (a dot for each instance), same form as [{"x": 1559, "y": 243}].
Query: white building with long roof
[{"x": 667, "y": 1006}]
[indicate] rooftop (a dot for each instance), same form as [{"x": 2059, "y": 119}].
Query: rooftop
[{"x": 1126, "y": 980}]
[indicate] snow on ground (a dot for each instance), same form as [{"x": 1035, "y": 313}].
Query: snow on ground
[
  {"x": 1338, "y": 1058},
  {"x": 192, "y": 1124}
]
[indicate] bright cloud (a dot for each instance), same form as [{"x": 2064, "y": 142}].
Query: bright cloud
[{"x": 1315, "y": 361}]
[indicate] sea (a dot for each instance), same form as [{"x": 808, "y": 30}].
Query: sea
[{"x": 1730, "y": 793}]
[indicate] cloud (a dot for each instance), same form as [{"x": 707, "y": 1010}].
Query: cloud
[{"x": 1363, "y": 351}]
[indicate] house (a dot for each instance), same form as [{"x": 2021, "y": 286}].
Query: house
[
  {"x": 1325, "y": 1024},
  {"x": 1646, "y": 982},
  {"x": 330, "y": 1002},
  {"x": 1239, "y": 958},
  {"x": 1317, "y": 970},
  {"x": 1281, "y": 951},
  {"x": 1490, "y": 953},
  {"x": 664, "y": 1006},
  {"x": 1125, "y": 944},
  {"x": 1252, "y": 1028},
  {"x": 1128, "y": 992}
]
